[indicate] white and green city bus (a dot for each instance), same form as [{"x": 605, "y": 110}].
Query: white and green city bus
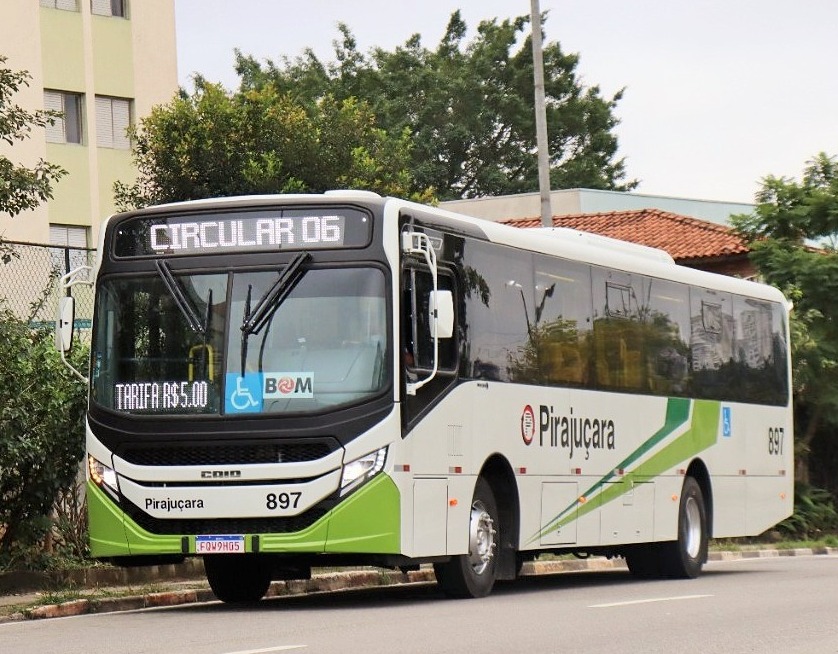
[{"x": 282, "y": 382}]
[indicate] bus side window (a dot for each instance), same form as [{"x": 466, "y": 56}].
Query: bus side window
[{"x": 417, "y": 336}]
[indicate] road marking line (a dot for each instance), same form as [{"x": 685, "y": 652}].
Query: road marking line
[
  {"x": 266, "y": 650},
  {"x": 648, "y": 601}
]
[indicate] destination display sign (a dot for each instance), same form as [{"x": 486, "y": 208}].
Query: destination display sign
[{"x": 253, "y": 231}]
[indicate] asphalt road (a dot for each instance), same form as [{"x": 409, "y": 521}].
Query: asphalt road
[{"x": 782, "y": 604}]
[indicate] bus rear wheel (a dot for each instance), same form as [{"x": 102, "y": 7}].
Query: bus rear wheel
[
  {"x": 237, "y": 579},
  {"x": 474, "y": 574},
  {"x": 684, "y": 558}
]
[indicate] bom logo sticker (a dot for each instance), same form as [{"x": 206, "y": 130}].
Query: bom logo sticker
[
  {"x": 288, "y": 384},
  {"x": 527, "y": 424}
]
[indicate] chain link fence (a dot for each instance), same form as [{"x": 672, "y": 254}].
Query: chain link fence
[{"x": 30, "y": 283}]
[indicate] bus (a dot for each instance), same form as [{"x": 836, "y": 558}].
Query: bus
[{"x": 293, "y": 381}]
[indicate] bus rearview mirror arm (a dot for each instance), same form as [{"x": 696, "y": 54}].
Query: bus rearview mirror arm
[{"x": 66, "y": 319}]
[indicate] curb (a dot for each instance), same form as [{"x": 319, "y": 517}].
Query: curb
[{"x": 335, "y": 581}]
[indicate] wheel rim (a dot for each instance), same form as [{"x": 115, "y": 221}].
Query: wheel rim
[
  {"x": 692, "y": 527},
  {"x": 481, "y": 538}
]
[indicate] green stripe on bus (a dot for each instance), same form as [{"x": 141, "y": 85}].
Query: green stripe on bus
[{"x": 702, "y": 434}]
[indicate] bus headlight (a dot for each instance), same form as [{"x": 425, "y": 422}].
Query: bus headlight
[
  {"x": 100, "y": 474},
  {"x": 361, "y": 469}
]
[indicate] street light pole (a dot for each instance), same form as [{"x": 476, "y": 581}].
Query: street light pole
[{"x": 541, "y": 117}]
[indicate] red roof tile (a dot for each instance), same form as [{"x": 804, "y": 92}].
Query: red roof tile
[{"x": 684, "y": 238}]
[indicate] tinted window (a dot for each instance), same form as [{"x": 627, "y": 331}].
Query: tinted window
[
  {"x": 498, "y": 309},
  {"x": 559, "y": 348},
  {"x": 418, "y": 343},
  {"x": 619, "y": 313},
  {"x": 666, "y": 336},
  {"x": 711, "y": 342}
]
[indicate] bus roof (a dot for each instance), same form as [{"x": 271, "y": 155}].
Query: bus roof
[{"x": 571, "y": 244}]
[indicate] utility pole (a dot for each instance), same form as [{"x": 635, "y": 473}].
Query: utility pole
[{"x": 541, "y": 117}]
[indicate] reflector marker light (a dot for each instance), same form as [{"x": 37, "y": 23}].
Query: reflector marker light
[
  {"x": 455, "y": 470},
  {"x": 399, "y": 467},
  {"x": 522, "y": 471}
]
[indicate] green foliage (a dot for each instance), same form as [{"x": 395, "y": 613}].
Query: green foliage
[
  {"x": 70, "y": 540},
  {"x": 814, "y": 515},
  {"x": 213, "y": 143},
  {"x": 22, "y": 188},
  {"x": 467, "y": 106},
  {"x": 41, "y": 435},
  {"x": 789, "y": 218}
]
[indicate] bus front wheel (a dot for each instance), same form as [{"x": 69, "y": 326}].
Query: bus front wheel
[
  {"x": 473, "y": 574},
  {"x": 237, "y": 578},
  {"x": 683, "y": 558}
]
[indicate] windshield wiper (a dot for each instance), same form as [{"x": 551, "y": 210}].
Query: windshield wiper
[
  {"x": 268, "y": 304},
  {"x": 176, "y": 291},
  {"x": 274, "y": 296}
]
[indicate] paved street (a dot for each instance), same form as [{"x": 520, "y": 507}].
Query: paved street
[{"x": 781, "y": 604}]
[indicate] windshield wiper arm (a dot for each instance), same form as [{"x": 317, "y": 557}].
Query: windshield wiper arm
[
  {"x": 275, "y": 295},
  {"x": 180, "y": 297}
]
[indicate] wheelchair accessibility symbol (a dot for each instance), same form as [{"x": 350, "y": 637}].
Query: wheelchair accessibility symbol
[{"x": 244, "y": 394}]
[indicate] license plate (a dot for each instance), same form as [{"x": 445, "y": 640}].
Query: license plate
[{"x": 219, "y": 544}]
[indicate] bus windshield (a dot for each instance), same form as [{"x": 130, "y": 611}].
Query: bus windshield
[{"x": 177, "y": 343}]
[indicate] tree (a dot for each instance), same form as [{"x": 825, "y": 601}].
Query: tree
[
  {"x": 42, "y": 409},
  {"x": 790, "y": 217},
  {"x": 468, "y": 107},
  {"x": 214, "y": 143},
  {"x": 22, "y": 188}
]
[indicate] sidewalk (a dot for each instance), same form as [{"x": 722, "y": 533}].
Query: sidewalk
[{"x": 105, "y": 590}]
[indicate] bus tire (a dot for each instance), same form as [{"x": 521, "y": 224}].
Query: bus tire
[
  {"x": 683, "y": 558},
  {"x": 473, "y": 574},
  {"x": 642, "y": 560},
  {"x": 237, "y": 578}
]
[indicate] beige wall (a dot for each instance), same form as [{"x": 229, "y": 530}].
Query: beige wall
[
  {"x": 131, "y": 58},
  {"x": 20, "y": 37},
  {"x": 155, "y": 53}
]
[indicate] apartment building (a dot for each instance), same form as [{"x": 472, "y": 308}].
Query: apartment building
[{"x": 104, "y": 64}]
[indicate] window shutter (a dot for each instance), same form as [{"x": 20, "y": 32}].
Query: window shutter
[
  {"x": 54, "y": 101},
  {"x": 57, "y": 235},
  {"x": 67, "y": 5},
  {"x": 121, "y": 122},
  {"x": 101, "y": 7},
  {"x": 104, "y": 123},
  {"x": 68, "y": 236},
  {"x": 77, "y": 237}
]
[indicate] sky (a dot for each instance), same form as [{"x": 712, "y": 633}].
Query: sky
[{"x": 718, "y": 94}]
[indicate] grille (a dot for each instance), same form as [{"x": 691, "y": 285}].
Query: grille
[{"x": 206, "y": 454}]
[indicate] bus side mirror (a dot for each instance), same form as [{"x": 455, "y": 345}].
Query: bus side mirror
[
  {"x": 64, "y": 324},
  {"x": 444, "y": 313}
]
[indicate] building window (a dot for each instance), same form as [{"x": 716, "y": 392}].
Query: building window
[
  {"x": 72, "y": 247},
  {"x": 108, "y": 7},
  {"x": 67, "y": 128},
  {"x": 113, "y": 117},
  {"x": 67, "y": 5}
]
